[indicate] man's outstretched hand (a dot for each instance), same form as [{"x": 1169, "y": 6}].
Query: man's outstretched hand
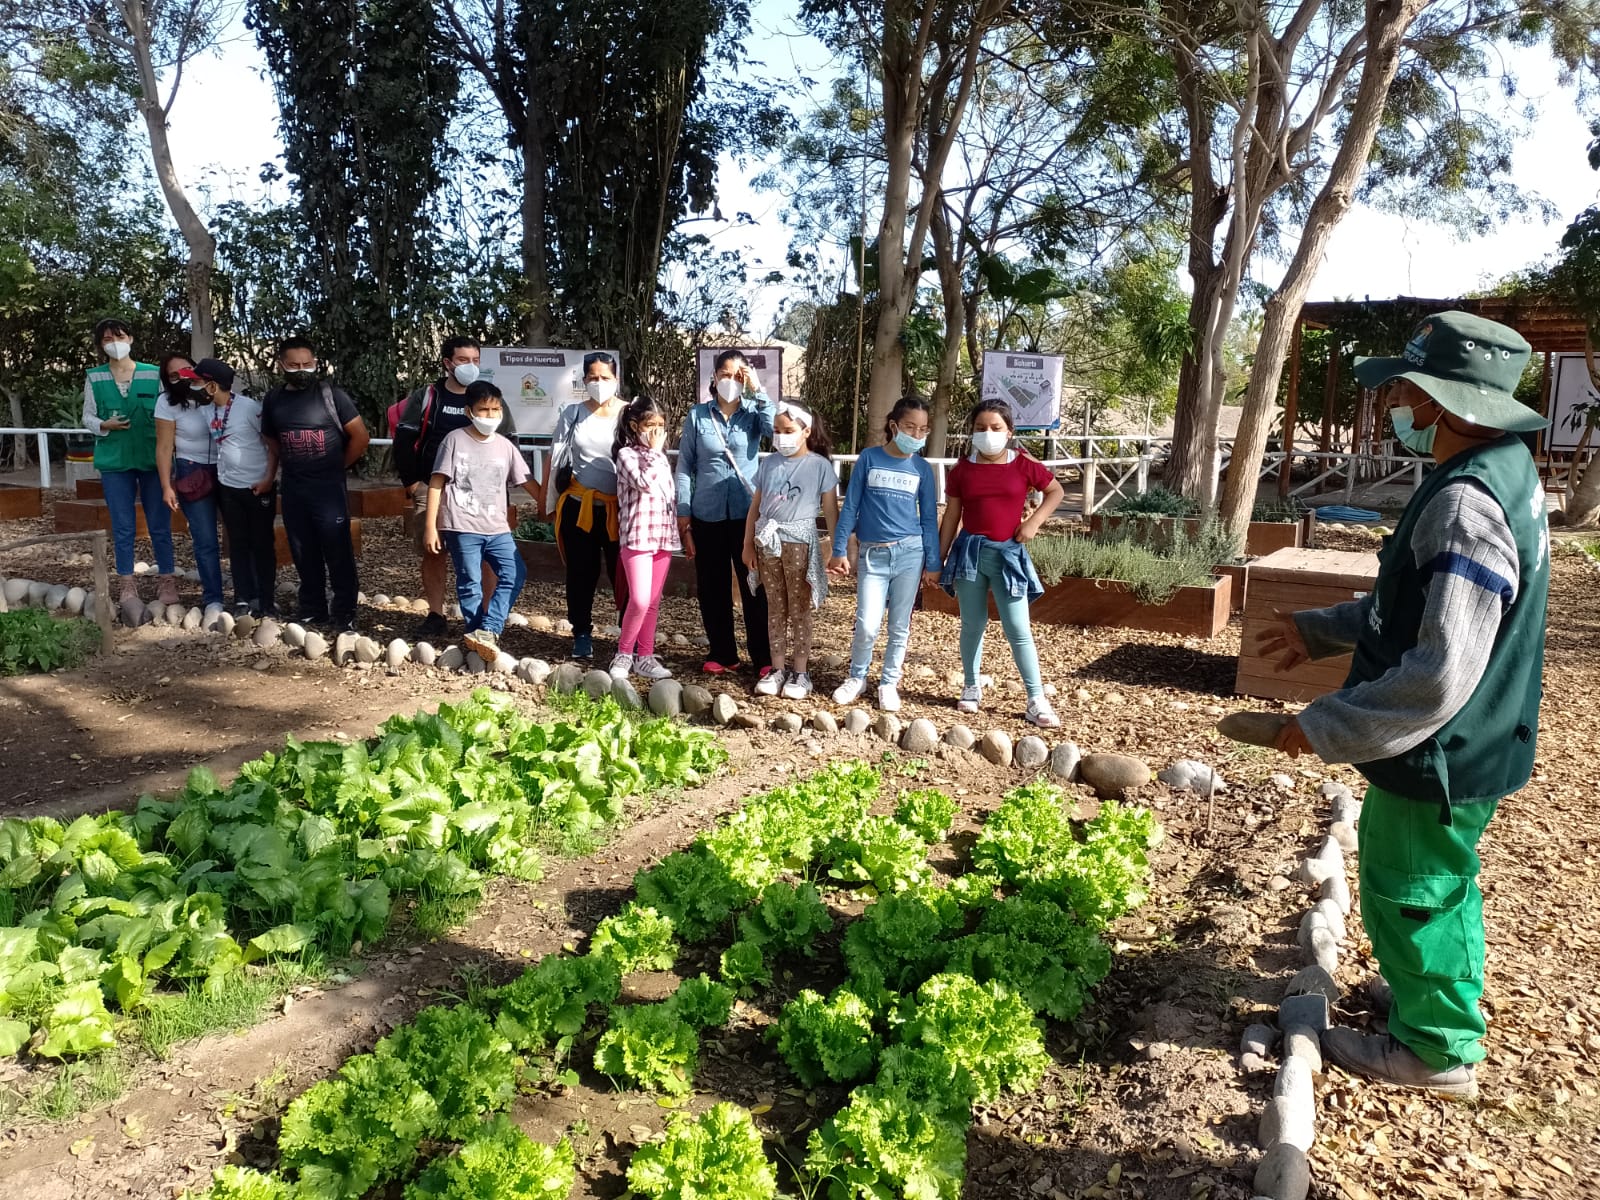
[
  {"x": 1292, "y": 740},
  {"x": 1281, "y": 640}
]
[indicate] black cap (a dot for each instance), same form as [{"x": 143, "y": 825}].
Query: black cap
[{"x": 213, "y": 370}]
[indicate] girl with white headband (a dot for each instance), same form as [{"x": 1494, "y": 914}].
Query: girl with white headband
[{"x": 781, "y": 542}]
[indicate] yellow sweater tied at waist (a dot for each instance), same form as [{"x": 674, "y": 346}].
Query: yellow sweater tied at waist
[{"x": 586, "y": 498}]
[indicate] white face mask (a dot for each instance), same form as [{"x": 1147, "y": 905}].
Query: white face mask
[
  {"x": 486, "y": 425},
  {"x": 788, "y": 443},
  {"x": 118, "y": 349},
  {"x": 466, "y": 373},
  {"x": 990, "y": 441},
  {"x": 600, "y": 390},
  {"x": 729, "y": 390}
]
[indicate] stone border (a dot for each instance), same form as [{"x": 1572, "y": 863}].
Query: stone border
[
  {"x": 1107, "y": 774},
  {"x": 1288, "y": 1122}
]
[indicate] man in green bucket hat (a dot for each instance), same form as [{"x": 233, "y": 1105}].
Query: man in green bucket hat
[{"x": 1442, "y": 703}]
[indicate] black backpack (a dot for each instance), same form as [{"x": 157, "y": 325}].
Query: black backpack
[{"x": 410, "y": 440}]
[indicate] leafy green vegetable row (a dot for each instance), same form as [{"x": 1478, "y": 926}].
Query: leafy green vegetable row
[
  {"x": 943, "y": 1019},
  {"x": 304, "y": 849}
]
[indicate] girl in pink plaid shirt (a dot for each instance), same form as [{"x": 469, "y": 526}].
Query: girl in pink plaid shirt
[{"x": 647, "y": 523}]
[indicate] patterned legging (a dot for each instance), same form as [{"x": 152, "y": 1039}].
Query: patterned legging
[{"x": 788, "y": 604}]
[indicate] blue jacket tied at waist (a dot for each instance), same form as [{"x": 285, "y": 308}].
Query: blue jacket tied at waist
[{"x": 1018, "y": 575}]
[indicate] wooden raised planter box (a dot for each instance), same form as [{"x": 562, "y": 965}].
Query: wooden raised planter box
[
  {"x": 1192, "y": 611},
  {"x": 19, "y": 501},
  {"x": 1289, "y": 581},
  {"x": 80, "y": 516},
  {"x": 386, "y": 501},
  {"x": 1263, "y": 537},
  {"x": 280, "y": 541},
  {"x": 544, "y": 565}
]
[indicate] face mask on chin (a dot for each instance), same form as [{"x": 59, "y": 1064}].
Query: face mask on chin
[{"x": 1419, "y": 441}]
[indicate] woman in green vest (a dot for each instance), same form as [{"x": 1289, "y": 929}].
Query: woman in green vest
[{"x": 119, "y": 401}]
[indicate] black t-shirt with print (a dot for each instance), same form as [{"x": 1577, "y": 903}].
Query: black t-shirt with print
[
  {"x": 310, "y": 441},
  {"x": 449, "y": 414}
]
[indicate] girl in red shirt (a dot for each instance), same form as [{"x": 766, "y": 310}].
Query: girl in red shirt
[{"x": 983, "y": 542}]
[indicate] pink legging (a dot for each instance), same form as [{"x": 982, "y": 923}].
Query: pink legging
[{"x": 646, "y": 571}]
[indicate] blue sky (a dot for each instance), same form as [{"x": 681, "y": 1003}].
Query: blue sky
[{"x": 224, "y": 126}]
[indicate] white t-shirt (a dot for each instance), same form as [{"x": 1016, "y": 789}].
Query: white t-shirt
[
  {"x": 193, "y": 428},
  {"x": 241, "y": 454}
]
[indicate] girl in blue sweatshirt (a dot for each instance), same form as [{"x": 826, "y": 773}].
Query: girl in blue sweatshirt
[{"x": 891, "y": 505}]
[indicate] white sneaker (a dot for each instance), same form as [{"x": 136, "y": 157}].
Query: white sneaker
[
  {"x": 798, "y": 686},
  {"x": 971, "y": 698},
  {"x": 849, "y": 691},
  {"x": 888, "y": 697},
  {"x": 651, "y": 667},
  {"x": 770, "y": 683},
  {"x": 1041, "y": 714},
  {"x": 621, "y": 666}
]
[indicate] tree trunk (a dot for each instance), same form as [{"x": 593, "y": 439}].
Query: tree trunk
[
  {"x": 1387, "y": 23},
  {"x": 535, "y": 271},
  {"x": 1583, "y": 504},
  {"x": 1192, "y": 461},
  {"x": 202, "y": 246},
  {"x": 895, "y": 294},
  {"x": 19, "y": 452},
  {"x": 955, "y": 311}
]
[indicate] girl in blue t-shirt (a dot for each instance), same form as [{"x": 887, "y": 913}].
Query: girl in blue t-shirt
[{"x": 891, "y": 505}]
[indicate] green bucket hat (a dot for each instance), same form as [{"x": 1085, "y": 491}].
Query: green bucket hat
[{"x": 1469, "y": 365}]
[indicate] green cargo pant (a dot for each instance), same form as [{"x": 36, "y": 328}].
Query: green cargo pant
[{"x": 1422, "y": 909}]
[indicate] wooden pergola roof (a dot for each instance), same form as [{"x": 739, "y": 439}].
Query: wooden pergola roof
[{"x": 1550, "y": 325}]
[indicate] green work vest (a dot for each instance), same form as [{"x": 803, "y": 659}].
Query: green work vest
[
  {"x": 133, "y": 448},
  {"x": 1485, "y": 751}
]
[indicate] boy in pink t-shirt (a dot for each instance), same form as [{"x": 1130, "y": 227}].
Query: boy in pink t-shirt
[{"x": 467, "y": 505}]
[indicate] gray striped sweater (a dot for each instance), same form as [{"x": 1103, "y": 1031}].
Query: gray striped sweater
[{"x": 1463, "y": 545}]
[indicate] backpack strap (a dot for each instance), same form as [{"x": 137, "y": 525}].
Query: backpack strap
[
  {"x": 327, "y": 403},
  {"x": 427, "y": 416}
]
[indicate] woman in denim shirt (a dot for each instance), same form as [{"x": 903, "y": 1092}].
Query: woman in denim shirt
[{"x": 715, "y": 476}]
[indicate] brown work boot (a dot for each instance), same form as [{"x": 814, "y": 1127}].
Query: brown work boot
[
  {"x": 167, "y": 590},
  {"x": 129, "y": 589},
  {"x": 1388, "y": 1060}
]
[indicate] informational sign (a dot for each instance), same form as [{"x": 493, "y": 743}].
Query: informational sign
[
  {"x": 1572, "y": 399},
  {"x": 537, "y": 383},
  {"x": 1030, "y": 383},
  {"x": 765, "y": 361}
]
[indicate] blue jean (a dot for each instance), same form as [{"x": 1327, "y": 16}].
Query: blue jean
[
  {"x": 887, "y": 576},
  {"x": 973, "y": 597},
  {"x": 202, "y": 517},
  {"x": 467, "y": 552},
  {"x": 123, "y": 491}
]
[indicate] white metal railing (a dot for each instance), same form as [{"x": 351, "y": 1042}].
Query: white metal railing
[
  {"x": 1104, "y": 477},
  {"x": 42, "y": 443}
]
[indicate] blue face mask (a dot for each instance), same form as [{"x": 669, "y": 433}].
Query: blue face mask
[
  {"x": 1408, "y": 435},
  {"x": 908, "y": 445}
]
